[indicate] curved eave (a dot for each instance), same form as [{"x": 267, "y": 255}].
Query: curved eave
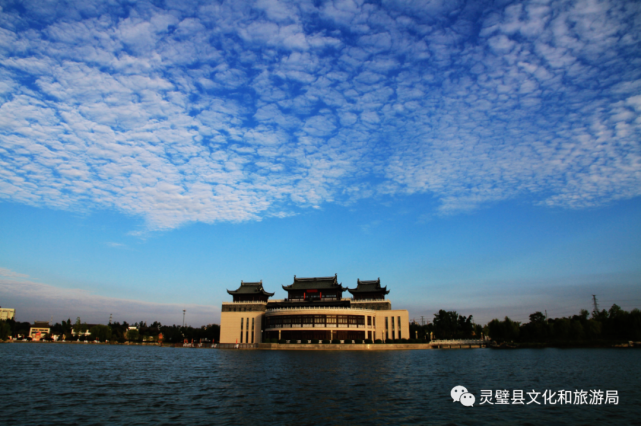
[
  {"x": 383, "y": 290},
  {"x": 261, "y": 292}
]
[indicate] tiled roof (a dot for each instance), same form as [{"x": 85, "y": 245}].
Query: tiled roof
[
  {"x": 373, "y": 286},
  {"x": 320, "y": 283},
  {"x": 250, "y": 288}
]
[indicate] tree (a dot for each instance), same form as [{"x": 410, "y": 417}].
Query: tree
[
  {"x": 5, "y": 330},
  {"x": 100, "y": 332},
  {"x": 504, "y": 330},
  {"x": 445, "y": 324},
  {"x": 451, "y": 325},
  {"x": 537, "y": 318},
  {"x": 133, "y": 335},
  {"x": 77, "y": 327}
]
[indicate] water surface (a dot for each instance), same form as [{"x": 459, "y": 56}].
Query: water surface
[{"x": 91, "y": 384}]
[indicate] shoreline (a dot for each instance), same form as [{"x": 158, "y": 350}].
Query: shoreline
[{"x": 355, "y": 346}]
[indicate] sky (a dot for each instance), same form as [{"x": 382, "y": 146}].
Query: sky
[{"x": 483, "y": 157}]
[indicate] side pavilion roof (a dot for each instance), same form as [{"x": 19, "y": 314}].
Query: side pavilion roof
[
  {"x": 373, "y": 286},
  {"x": 319, "y": 283},
  {"x": 250, "y": 288}
]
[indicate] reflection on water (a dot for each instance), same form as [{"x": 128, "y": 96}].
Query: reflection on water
[{"x": 81, "y": 384}]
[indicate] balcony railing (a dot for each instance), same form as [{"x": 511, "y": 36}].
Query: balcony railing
[
  {"x": 293, "y": 308},
  {"x": 328, "y": 299},
  {"x": 279, "y": 326}
]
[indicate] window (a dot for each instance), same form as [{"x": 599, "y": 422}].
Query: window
[
  {"x": 374, "y": 321},
  {"x": 393, "y": 337},
  {"x": 331, "y": 319},
  {"x": 253, "y": 330},
  {"x": 319, "y": 319},
  {"x": 241, "y": 323},
  {"x": 386, "y": 323},
  {"x": 369, "y": 321},
  {"x": 399, "y": 323}
]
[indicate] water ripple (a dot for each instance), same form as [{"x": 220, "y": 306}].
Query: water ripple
[{"x": 80, "y": 384}]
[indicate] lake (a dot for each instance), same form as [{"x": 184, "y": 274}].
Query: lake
[{"x": 143, "y": 385}]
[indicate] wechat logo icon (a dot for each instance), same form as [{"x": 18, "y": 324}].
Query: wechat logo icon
[{"x": 460, "y": 394}]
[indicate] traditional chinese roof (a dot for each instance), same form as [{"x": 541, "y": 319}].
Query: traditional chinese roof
[
  {"x": 250, "y": 288},
  {"x": 319, "y": 283},
  {"x": 373, "y": 286}
]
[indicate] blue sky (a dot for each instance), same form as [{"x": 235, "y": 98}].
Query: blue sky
[{"x": 477, "y": 156}]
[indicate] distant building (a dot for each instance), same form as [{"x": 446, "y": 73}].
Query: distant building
[
  {"x": 39, "y": 330},
  {"x": 314, "y": 310},
  {"x": 7, "y": 314},
  {"x": 83, "y": 333}
]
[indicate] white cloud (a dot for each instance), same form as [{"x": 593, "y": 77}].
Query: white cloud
[
  {"x": 8, "y": 273},
  {"x": 241, "y": 111}
]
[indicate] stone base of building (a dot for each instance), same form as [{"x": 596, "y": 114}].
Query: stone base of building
[{"x": 341, "y": 347}]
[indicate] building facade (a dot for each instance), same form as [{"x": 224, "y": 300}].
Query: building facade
[
  {"x": 39, "y": 330},
  {"x": 314, "y": 309},
  {"x": 7, "y": 314}
]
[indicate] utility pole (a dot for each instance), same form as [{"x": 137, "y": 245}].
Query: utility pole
[
  {"x": 184, "y": 318},
  {"x": 596, "y": 304},
  {"x": 110, "y": 318}
]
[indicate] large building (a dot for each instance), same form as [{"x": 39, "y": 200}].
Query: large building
[
  {"x": 315, "y": 309},
  {"x": 39, "y": 330},
  {"x": 7, "y": 314}
]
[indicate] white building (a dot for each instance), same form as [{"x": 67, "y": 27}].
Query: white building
[
  {"x": 7, "y": 314},
  {"x": 314, "y": 310}
]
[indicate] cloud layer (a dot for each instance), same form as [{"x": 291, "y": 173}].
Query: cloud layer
[
  {"x": 30, "y": 299},
  {"x": 235, "y": 111}
]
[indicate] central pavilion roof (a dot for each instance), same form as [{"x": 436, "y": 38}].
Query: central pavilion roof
[
  {"x": 315, "y": 283},
  {"x": 250, "y": 288}
]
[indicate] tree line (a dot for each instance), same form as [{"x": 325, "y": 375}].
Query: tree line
[
  {"x": 116, "y": 331},
  {"x": 614, "y": 324}
]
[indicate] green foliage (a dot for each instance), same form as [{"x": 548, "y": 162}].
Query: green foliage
[
  {"x": 5, "y": 330},
  {"x": 614, "y": 324},
  {"x": 506, "y": 330},
  {"x": 100, "y": 332},
  {"x": 378, "y": 341},
  {"x": 451, "y": 325},
  {"x": 79, "y": 327},
  {"x": 133, "y": 335},
  {"x": 172, "y": 334}
]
